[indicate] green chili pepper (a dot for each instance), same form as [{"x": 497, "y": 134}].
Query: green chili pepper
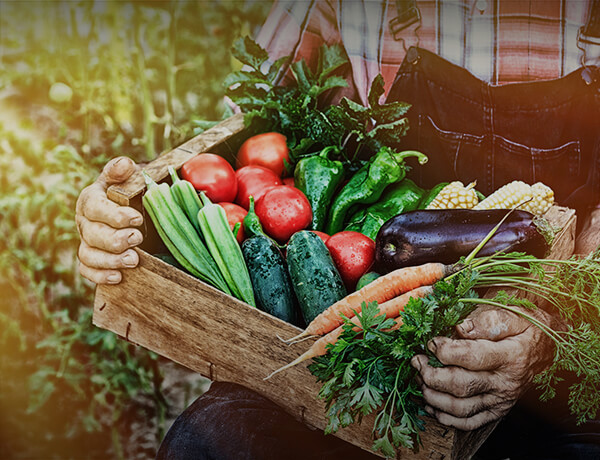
[
  {"x": 368, "y": 183},
  {"x": 252, "y": 225},
  {"x": 251, "y": 222},
  {"x": 366, "y": 223},
  {"x": 318, "y": 177},
  {"x": 398, "y": 198}
]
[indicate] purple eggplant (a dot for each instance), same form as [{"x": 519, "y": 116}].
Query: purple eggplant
[{"x": 445, "y": 235}]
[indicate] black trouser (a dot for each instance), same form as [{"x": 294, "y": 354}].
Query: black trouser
[
  {"x": 548, "y": 132},
  {"x": 231, "y": 422}
]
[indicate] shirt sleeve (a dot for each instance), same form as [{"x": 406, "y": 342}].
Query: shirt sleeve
[
  {"x": 293, "y": 29},
  {"x": 299, "y": 29}
]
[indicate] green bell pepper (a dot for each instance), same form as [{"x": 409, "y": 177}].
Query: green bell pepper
[
  {"x": 368, "y": 183},
  {"x": 398, "y": 198},
  {"x": 318, "y": 177}
]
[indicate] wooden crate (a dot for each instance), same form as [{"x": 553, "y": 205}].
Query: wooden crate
[{"x": 183, "y": 319}]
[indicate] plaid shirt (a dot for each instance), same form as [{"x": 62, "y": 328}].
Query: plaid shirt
[{"x": 499, "y": 41}]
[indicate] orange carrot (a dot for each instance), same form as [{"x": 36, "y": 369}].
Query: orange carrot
[
  {"x": 390, "y": 309},
  {"x": 382, "y": 289},
  {"x": 398, "y": 322}
]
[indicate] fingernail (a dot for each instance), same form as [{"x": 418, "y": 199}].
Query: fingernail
[
  {"x": 432, "y": 346},
  {"x": 114, "y": 278},
  {"x": 134, "y": 238},
  {"x": 129, "y": 260},
  {"x": 119, "y": 161},
  {"x": 416, "y": 363},
  {"x": 466, "y": 326},
  {"x": 136, "y": 221}
]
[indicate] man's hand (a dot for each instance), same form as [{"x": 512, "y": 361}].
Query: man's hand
[
  {"x": 106, "y": 229},
  {"x": 589, "y": 238},
  {"x": 487, "y": 368}
]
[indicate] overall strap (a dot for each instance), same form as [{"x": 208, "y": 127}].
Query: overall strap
[
  {"x": 407, "y": 14},
  {"x": 588, "y": 40},
  {"x": 591, "y": 30}
]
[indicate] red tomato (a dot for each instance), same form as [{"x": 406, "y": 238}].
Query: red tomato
[
  {"x": 324, "y": 236},
  {"x": 353, "y": 254},
  {"x": 235, "y": 214},
  {"x": 253, "y": 180},
  {"x": 268, "y": 150},
  {"x": 283, "y": 211},
  {"x": 289, "y": 181},
  {"x": 213, "y": 174}
]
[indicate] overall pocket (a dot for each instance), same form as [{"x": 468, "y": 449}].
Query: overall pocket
[
  {"x": 493, "y": 160},
  {"x": 558, "y": 167},
  {"x": 452, "y": 155}
]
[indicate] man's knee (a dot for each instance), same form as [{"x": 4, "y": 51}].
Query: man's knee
[
  {"x": 227, "y": 422},
  {"x": 231, "y": 422}
]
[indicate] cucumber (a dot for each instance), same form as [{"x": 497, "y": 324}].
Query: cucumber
[
  {"x": 315, "y": 278},
  {"x": 270, "y": 279}
]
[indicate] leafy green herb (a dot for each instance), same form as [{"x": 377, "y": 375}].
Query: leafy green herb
[
  {"x": 369, "y": 370},
  {"x": 289, "y": 109},
  {"x": 294, "y": 109}
]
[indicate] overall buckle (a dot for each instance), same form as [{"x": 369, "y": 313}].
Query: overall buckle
[{"x": 408, "y": 14}]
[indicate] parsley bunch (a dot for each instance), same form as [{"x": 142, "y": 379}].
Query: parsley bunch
[{"x": 369, "y": 370}]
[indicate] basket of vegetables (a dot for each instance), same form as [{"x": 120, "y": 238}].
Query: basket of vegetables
[{"x": 292, "y": 221}]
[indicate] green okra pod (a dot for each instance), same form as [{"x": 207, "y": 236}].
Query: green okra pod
[
  {"x": 186, "y": 196},
  {"x": 179, "y": 235},
  {"x": 225, "y": 249}
]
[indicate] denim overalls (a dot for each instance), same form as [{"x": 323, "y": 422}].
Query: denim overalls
[{"x": 546, "y": 131}]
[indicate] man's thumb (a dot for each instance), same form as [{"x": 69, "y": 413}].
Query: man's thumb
[
  {"x": 491, "y": 324},
  {"x": 116, "y": 171}
]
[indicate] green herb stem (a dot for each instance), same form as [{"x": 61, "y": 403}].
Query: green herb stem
[{"x": 548, "y": 291}]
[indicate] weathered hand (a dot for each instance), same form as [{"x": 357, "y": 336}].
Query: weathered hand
[
  {"x": 589, "y": 239},
  {"x": 106, "y": 229},
  {"x": 487, "y": 368}
]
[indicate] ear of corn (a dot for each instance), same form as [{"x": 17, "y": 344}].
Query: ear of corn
[
  {"x": 454, "y": 196},
  {"x": 179, "y": 235},
  {"x": 225, "y": 250},
  {"x": 543, "y": 199},
  {"x": 536, "y": 198}
]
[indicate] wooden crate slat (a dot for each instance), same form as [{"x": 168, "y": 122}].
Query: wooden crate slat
[
  {"x": 157, "y": 169},
  {"x": 182, "y": 319}
]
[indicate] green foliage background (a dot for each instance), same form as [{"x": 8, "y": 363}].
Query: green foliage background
[{"x": 137, "y": 75}]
